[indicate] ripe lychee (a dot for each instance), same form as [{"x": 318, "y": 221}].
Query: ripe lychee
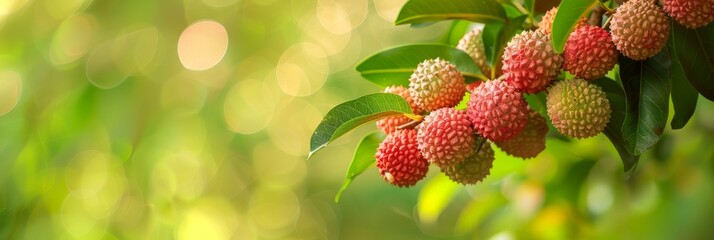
[
  {"x": 497, "y": 110},
  {"x": 472, "y": 43},
  {"x": 589, "y": 53},
  {"x": 530, "y": 63},
  {"x": 546, "y": 23},
  {"x": 399, "y": 160},
  {"x": 639, "y": 29},
  {"x": 531, "y": 141},
  {"x": 446, "y": 137},
  {"x": 474, "y": 168},
  {"x": 390, "y": 124},
  {"x": 690, "y": 13},
  {"x": 436, "y": 84},
  {"x": 577, "y": 108}
]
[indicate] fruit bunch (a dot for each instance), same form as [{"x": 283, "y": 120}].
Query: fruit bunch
[
  {"x": 459, "y": 141},
  {"x": 463, "y": 99}
]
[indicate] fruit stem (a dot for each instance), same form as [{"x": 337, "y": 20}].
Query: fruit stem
[
  {"x": 409, "y": 125},
  {"x": 596, "y": 16},
  {"x": 480, "y": 144}
]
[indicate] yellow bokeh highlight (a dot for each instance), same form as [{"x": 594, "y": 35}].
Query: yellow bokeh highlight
[
  {"x": 202, "y": 45},
  {"x": 10, "y": 90}
]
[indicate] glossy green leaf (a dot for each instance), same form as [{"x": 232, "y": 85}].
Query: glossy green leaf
[
  {"x": 613, "y": 131},
  {"x": 394, "y": 66},
  {"x": 684, "y": 95},
  {"x": 694, "y": 50},
  {"x": 361, "y": 160},
  {"x": 647, "y": 88},
  {"x": 420, "y": 11},
  {"x": 565, "y": 20},
  {"x": 349, "y": 115}
]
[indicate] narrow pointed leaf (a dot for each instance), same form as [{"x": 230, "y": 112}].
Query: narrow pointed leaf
[
  {"x": 349, "y": 115},
  {"x": 565, "y": 20},
  {"x": 394, "y": 66},
  {"x": 362, "y": 160},
  {"x": 684, "y": 95},
  {"x": 647, "y": 88},
  {"x": 613, "y": 131},
  {"x": 694, "y": 50},
  {"x": 496, "y": 38},
  {"x": 420, "y": 11}
]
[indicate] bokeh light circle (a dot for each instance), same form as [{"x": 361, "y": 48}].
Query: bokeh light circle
[
  {"x": 202, "y": 45},
  {"x": 10, "y": 89},
  {"x": 302, "y": 69},
  {"x": 73, "y": 39}
]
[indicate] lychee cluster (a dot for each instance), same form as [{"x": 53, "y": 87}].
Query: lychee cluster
[{"x": 459, "y": 141}]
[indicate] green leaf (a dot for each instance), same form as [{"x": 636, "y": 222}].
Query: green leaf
[
  {"x": 458, "y": 29},
  {"x": 647, "y": 88},
  {"x": 362, "y": 159},
  {"x": 394, "y": 66},
  {"x": 496, "y": 37},
  {"x": 349, "y": 115},
  {"x": 684, "y": 95},
  {"x": 565, "y": 20},
  {"x": 420, "y": 11},
  {"x": 694, "y": 50},
  {"x": 434, "y": 197},
  {"x": 613, "y": 131}
]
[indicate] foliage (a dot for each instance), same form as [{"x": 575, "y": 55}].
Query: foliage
[{"x": 639, "y": 94}]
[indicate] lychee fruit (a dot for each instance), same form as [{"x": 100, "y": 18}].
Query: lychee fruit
[
  {"x": 399, "y": 160},
  {"x": 577, "y": 108},
  {"x": 530, "y": 63},
  {"x": 472, "y": 44},
  {"x": 589, "y": 53},
  {"x": 690, "y": 13},
  {"x": 531, "y": 141},
  {"x": 390, "y": 124},
  {"x": 436, "y": 84},
  {"x": 639, "y": 29},
  {"x": 497, "y": 110},
  {"x": 546, "y": 23},
  {"x": 474, "y": 168},
  {"x": 446, "y": 137}
]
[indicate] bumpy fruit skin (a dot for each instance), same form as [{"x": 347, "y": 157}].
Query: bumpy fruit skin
[
  {"x": 436, "y": 84},
  {"x": 546, "y": 23},
  {"x": 531, "y": 141},
  {"x": 497, "y": 110},
  {"x": 577, "y": 108},
  {"x": 446, "y": 137},
  {"x": 589, "y": 53},
  {"x": 530, "y": 63},
  {"x": 472, "y": 43},
  {"x": 690, "y": 13},
  {"x": 474, "y": 168},
  {"x": 639, "y": 29},
  {"x": 389, "y": 124},
  {"x": 399, "y": 160}
]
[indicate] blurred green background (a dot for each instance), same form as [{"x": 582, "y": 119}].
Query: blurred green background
[{"x": 190, "y": 119}]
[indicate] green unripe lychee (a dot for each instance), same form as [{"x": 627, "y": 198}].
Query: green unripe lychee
[{"x": 577, "y": 108}]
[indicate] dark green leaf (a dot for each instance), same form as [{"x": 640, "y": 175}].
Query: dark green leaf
[
  {"x": 613, "y": 131},
  {"x": 684, "y": 95},
  {"x": 362, "y": 159},
  {"x": 394, "y": 66},
  {"x": 349, "y": 115},
  {"x": 565, "y": 20},
  {"x": 647, "y": 87},
  {"x": 694, "y": 49},
  {"x": 511, "y": 10},
  {"x": 419, "y": 11},
  {"x": 530, "y": 6}
]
